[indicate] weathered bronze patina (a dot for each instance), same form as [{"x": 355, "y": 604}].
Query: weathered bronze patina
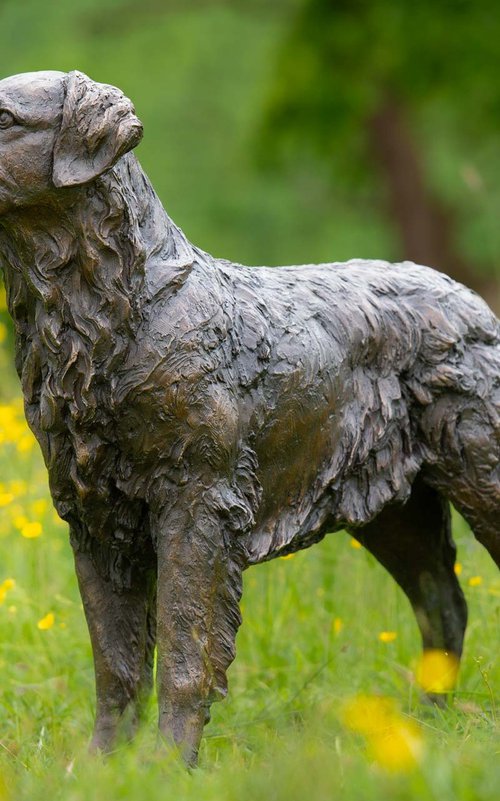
[{"x": 197, "y": 416}]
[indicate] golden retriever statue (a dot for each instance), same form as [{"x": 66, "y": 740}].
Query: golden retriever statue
[{"x": 198, "y": 416}]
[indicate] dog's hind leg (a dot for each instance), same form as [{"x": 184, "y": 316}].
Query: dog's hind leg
[
  {"x": 199, "y": 588},
  {"x": 470, "y": 475},
  {"x": 485, "y": 524},
  {"x": 414, "y": 543},
  {"x": 122, "y": 631}
]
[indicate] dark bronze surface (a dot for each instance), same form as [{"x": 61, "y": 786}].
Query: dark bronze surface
[{"x": 198, "y": 416}]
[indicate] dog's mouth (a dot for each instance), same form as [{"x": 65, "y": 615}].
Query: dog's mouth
[{"x": 9, "y": 191}]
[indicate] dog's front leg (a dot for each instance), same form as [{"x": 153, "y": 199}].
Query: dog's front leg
[
  {"x": 199, "y": 588},
  {"x": 122, "y": 631}
]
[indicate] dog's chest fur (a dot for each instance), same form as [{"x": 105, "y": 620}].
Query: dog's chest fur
[{"x": 72, "y": 336}]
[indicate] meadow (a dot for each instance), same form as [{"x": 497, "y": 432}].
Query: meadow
[{"x": 323, "y": 702}]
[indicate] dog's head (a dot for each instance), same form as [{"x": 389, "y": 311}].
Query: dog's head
[{"x": 59, "y": 130}]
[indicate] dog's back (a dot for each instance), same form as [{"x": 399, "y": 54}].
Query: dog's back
[
  {"x": 198, "y": 416},
  {"x": 347, "y": 379}
]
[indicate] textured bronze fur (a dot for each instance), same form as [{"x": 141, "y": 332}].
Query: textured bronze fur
[{"x": 197, "y": 416}]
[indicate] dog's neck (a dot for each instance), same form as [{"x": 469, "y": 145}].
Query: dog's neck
[
  {"x": 110, "y": 236},
  {"x": 78, "y": 269}
]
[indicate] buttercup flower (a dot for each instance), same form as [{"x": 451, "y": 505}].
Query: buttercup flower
[
  {"x": 46, "y": 622},
  {"x": 437, "y": 671},
  {"x": 337, "y": 625},
  {"x": 394, "y": 742},
  {"x": 31, "y": 530},
  {"x": 399, "y": 748},
  {"x": 6, "y": 498},
  {"x": 18, "y": 487},
  {"x": 5, "y": 586},
  {"x": 39, "y": 507},
  {"x": 387, "y": 636}
]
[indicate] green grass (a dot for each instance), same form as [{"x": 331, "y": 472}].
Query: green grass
[{"x": 279, "y": 735}]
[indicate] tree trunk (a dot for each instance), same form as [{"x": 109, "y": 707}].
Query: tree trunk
[{"x": 425, "y": 225}]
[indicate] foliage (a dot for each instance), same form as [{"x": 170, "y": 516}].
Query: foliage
[
  {"x": 342, "y": 60},
  {"x": 199, "y": 74}
]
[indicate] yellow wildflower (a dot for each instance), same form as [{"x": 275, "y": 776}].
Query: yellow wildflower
[
  {"x": 5, "y": 586},
  {"x": 368, "y": 714},
  {"x": 387, "y": 636},
  {"x": 46, "y": 622},
  {"x": 6, "y": 498},
  {"x": 26, "y": 442},
  {"x": 394, "y": 742},
  {"x": 457, "y": 568},
  {"x": 337, "y": 625},
  {"x": 9, "y": 422},
  {"x": 20, "y": 520},
  {"x": 18, "y": 487},
  {"x": 437, "y": 671},
  {"x": 31, "y": 530},
  {"x": 475, "y": 581},
  {"x": 399, "y": 749},
  {"x": 39, "y": 507},
  {"x": 288, "y": 556},
  {"x": 355, "y": 543},
  {"x": 7, "y": 414}
]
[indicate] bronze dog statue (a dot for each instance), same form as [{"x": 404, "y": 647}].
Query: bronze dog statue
[{"x": 197, "y": 417}]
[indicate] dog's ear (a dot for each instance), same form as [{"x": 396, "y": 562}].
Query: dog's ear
[{"x": 98, "y": 126}]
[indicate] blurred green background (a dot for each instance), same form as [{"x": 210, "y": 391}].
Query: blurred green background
[
  {"x": 276, "y": 131},
  {"x": 289, "y": 131}
]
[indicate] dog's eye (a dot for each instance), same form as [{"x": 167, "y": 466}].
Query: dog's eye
[{"x": 6, "y": 119}]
